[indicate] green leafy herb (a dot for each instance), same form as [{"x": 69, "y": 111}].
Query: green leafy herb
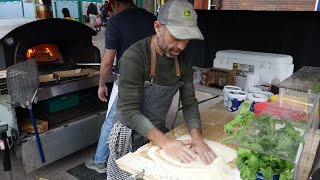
[
  {"x": 262, "y": 135},
  {"x": 265, "y": 134},
  {"x": 250, "y": 162},
  {"x": 239, "y": 121}
]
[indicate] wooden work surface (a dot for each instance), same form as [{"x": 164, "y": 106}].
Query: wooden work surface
[{"x": 212, "y": 121}]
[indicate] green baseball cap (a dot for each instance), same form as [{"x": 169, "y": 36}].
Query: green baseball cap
[{"x": 181, "y": 19}]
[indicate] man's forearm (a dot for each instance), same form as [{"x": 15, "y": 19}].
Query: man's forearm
[
  {"x": 106, "y": 65},
  {"x": 196, "y": 134},
  {"x": 157, "y": 137},
  {"x": 160, "y": 139},
  {"x": 105, "y": 70}
]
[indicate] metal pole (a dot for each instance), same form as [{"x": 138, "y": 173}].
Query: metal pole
[
  {"x": 80, "y": 11},
  {"x": 6, "y": 156},
  {"x": 22, "y": 6},
  {"x": 55, "y": 9},
  {"x": 139, "y": 3}
]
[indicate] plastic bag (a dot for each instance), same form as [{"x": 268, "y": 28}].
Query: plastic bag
[{"x": 98, "y": 22}]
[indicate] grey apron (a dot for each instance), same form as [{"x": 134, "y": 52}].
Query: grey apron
[{"x": 156, "y": 103}]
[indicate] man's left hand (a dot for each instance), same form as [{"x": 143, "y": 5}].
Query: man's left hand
[{"x": 201, "y": 148}]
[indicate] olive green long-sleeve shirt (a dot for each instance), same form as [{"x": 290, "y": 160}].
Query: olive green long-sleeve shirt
[{"x": 135, "y": 70}]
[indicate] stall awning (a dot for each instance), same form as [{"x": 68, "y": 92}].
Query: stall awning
[{"x": 4, "y": 1}]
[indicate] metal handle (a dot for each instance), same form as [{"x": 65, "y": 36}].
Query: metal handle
[{"x": 34, "y": 124}]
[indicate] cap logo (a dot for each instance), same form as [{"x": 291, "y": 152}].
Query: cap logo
[{"x": 187, "y": 13}]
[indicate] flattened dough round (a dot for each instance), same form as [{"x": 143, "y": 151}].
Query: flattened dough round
[
  {"x": 219, "y": 169},
  {"x": 226, "y": 153}
]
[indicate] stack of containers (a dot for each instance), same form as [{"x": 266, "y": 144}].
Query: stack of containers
[
  {"x": 233, "y": 97},
  {"x": 263, "y": 67}
]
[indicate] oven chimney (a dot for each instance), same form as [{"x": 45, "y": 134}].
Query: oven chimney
[{"x": 43, "y": 9}]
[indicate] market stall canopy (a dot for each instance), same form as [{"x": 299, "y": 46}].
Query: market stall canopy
[
  {"x": 3, "y": 1},
  {"x": 9, "y": 24}
]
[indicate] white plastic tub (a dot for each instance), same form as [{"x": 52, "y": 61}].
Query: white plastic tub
[{"x": 267, "y": 66}]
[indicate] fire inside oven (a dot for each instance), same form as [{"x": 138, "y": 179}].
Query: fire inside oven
[{"x": 44, "y": 53}]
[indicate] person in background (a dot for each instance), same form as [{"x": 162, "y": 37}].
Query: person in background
[
  {"x": 92, "y": 13},
  {"x": 104, "y": 6},
  {"x": 152, "y": 71},
  {"x": 127, "y": 25},
  {"x": 104, "y": 13},
  {"x": 66, "y": 14}
]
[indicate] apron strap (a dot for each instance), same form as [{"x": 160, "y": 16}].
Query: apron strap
[
  {"x": 177, "y": 68},
  {"x": 153, "y": 62}
]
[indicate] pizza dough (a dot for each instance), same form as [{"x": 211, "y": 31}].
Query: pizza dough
[{"x": 217, "y": 170}]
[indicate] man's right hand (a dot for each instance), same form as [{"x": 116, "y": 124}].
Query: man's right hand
[
  {"x": 180, "y": 150},
  {"x": 103, "y": 93}
]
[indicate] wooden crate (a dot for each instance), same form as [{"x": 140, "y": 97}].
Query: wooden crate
[
  {"x": 308, "y": 155},
  {"x": 217, "y": 77}
]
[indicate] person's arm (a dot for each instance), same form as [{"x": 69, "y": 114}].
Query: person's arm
[
  {"x": 96, "y": 10},
  {"x": 111, "y": 43},
  {"x": 191, "y": 114},
  {"x": 105, "y": 70}
]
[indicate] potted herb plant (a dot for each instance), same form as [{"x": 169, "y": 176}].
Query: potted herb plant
[
  {"x": 262, "y": 135},
  {"x": 259, "y": 166}
]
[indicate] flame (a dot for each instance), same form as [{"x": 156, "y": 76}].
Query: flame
[
  {"x": 48, "y": 51},
  {"x": 30, "y": 52},
  {"x": 34, "y": 52}
]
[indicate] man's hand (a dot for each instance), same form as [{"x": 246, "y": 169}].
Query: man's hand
[
  {"x": 203, "y": 151},
  {"x": 103, "y": 93},
  {"x": 179, "y": 150},
  {"x": 201, "y": 148}
]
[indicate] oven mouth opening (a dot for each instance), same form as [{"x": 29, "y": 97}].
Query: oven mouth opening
[{"x": 45, "y": 53}]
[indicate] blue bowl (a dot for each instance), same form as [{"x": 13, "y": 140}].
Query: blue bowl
[{"x": 260, "y": 177}]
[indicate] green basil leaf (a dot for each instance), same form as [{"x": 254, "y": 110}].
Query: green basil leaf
[
  {"x": 269, "y": 173},
  {"x": 253, "y": 161},
  {"x": 290, "y": 165},
  {"x": 283, "y": 177},
  {"x": 243, "y": 152}
]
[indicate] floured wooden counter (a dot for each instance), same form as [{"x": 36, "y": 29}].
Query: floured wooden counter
[{"x": 212, "y": 120}]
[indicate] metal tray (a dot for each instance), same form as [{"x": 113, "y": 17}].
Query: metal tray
[
  {"x": 47, "y": 79},
  {"x": 75, "y": 74}
]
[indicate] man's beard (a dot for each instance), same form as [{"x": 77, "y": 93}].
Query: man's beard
[{"x": 161, "y": 44}]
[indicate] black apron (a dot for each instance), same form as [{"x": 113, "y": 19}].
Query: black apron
[{"x": 155, "y": 105}]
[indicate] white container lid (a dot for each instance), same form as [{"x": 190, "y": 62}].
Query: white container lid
[
  {"x": 237, "y": 94},
  {"x": 255, "y": 56},
  {"x": 256, "y": 97},
  {"x": 232, "y": 88}
]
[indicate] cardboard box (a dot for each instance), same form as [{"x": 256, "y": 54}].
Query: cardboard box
[{"x": 26, "y": 126}]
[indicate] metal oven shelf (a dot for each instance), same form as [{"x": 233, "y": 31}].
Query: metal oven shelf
[{"x": 73, "y": 86}]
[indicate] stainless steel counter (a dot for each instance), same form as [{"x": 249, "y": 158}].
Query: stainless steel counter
[{"x": 64, "y": 88}]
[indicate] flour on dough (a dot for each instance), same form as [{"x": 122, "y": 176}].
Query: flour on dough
[
  {"x": 220, "y": 150},
  {"x": 217, "y": 170}
]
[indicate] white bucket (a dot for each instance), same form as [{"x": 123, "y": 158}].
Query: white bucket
[
  {"x": 226, "y": 91},
  {"x": 235, "y": 99},
  {"x": 256, "y": 97},
  {"x": 267, "y": 93},
  {"x": 254, "y": 89}
]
